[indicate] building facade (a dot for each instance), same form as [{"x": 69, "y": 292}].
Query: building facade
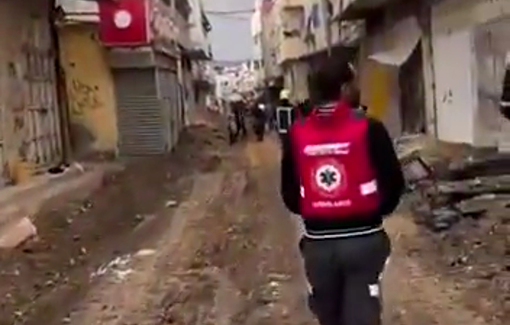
[
  {"x": 436, "y": 67},
  {"x": 256, "y": 34},
  {"x": 309, "y": 44},
  {"x": 130, "y": 71},
  {"x": 89, "y": 87}
]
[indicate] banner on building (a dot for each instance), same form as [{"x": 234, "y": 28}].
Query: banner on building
[{"x": 124, "y": 23}]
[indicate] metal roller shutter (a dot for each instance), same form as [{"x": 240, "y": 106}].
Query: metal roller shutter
[{"x": 140, "y": 118}]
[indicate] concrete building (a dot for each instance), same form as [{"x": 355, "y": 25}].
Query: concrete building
[
  {"x": 475, "y": 34},
  {"x": 256, "y": 33},
  {"x": 237, "y": 80},
  {"x": 200, "y": 53},
  {"x": 271, "y": 30},
  {"x": 392, "y": 62},
  {"x": 308, "y": 43},
  {"x": 132, "y": 75},
  {"x": 90, "y": 92},
  {"x": 435, "y": 66}
]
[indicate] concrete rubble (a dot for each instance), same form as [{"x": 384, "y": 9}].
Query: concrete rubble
[
  {"x": 444, "y": 189},
  {"x": 20, "y": 204}
]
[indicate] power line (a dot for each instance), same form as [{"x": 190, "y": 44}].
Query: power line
[
  {"x": 230, "y": 12},
  {"x": 232, "y": 18}
]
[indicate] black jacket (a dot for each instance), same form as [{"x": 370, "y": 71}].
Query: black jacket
[
  {"x": 390, "y": 182},
  {"x": 505, "y": 96}
]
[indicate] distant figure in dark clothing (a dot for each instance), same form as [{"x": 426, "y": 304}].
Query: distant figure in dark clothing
[
  {"x": 259, "y": 120},
  {"x": 239, "y": 111},
  {"x": 505, "y": 96},
  {"x": 271, "y": 116},
  {"x": 232, "y": 128}
]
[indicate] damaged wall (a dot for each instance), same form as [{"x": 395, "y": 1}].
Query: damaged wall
[
  {"x": 491, "y": 47},
  {"x": 30, "y": 131},
  {"x": 296, "y": 79},
  {"x": 459, "y": 86},
  {"x": 90, "y": 90},
  {"x": 380, "y": 93}
]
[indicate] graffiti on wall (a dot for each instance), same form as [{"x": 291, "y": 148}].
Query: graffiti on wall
[{"x": 83, "y": 97}]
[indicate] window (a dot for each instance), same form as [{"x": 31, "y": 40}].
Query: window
[{"x": 315, "y": 16}]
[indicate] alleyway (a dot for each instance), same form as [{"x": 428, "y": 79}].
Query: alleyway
[{"x": 201, "y": 237}]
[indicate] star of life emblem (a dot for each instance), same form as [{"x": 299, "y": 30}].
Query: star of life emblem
[{"x": 328, "y": 178}]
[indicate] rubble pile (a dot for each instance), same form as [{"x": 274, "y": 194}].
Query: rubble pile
[
  {"x": 462, "y": 195},
  {"x": 447, "y": 187}
]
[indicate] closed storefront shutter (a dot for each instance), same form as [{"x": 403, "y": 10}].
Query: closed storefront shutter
[
  {"x": 140, "y": 117},
  {"x": 165, "y": 96}
]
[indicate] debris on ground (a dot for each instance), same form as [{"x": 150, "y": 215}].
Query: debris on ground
[
  {"x": 462, "y": 195},
  {"x": 97, "y": 236}
]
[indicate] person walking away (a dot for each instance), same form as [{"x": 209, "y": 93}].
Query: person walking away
[
  {"x": 232, "y": 128},
  {"x": 504, "y": 103},
  {"x": 259, "y": 120},
  {"x": 340, "y": 172},
  {"x": 238, "y": 110},
  {"x": 284, "y": 113},
  {"x": 271, "y": 116}
]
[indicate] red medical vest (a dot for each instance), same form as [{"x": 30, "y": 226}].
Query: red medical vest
[{"x": 336, "y": 173}]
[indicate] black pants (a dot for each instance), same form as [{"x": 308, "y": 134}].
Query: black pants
[
  {"x": 344, "y": 276},
  {"x": 240, "y": 128}
]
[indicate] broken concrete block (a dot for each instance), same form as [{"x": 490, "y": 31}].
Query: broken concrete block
[
  {"x": 15, "y": 234},
  {"x": 444, "y": 218},
  {"x": 483, "y": 203},
  {"x": 415, "y": 169},
  {"x": 476, "y": 186}
]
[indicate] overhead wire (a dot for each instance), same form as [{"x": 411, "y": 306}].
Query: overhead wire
[{"x": 229, "y": 12}]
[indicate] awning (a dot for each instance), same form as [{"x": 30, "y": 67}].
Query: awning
[
  {"x": 403, "y": 39},
  {"x": 359, "y": 9},
  {"x": 79, "y": 11}
]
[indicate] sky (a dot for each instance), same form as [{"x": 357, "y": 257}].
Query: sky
[{"x": 231, "y": 38}]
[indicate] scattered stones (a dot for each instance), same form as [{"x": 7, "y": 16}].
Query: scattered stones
[
  {"x": 145, "y": 252},
  {"x": 171, "y": 204},
  {"x": 444, "y": 218},
  {"x": 23, "y": 230}
]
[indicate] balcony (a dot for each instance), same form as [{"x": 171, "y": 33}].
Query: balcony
[
  {"x": 183, "y": 30},
  {"x": 199, "y": 28},
  {"x": 357, "y": 9}
]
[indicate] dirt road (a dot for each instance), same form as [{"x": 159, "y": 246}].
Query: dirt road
[{"x": 201, "y": 238}]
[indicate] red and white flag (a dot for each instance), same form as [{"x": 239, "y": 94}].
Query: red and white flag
[{"x": 124, "y": 23}]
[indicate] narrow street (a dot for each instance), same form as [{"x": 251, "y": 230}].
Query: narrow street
[{"x": 201, "y": 237}]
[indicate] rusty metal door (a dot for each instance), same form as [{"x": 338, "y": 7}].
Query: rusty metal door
[{"x": 42, "y": 143}]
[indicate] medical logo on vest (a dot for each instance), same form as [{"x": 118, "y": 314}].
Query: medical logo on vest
[
  {"x": 338, "y": 148},
  {"x": 328, "y": 178},
  {"x": 329, "y": 182}
]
